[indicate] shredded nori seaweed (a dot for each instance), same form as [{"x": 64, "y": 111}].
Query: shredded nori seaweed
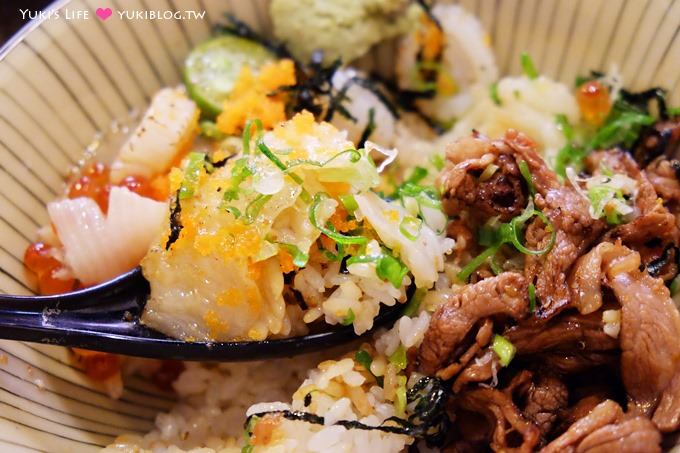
[
  {"x": 429, "y": 420},
  {"x": 175, "y": 223},
  {"x": 656, "y": 265},
  {"x": 368, "y": 130},
  {"x": 236, "y": 27},
  {"x": 643, "y": 99}
]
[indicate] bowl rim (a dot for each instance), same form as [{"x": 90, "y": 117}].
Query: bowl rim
[{"x": 29, "y": 26}]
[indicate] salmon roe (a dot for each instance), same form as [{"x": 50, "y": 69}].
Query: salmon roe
[
  {"x": 40, "y": 260},
  {"x": 593, "y": 101},
  {"x": 93, "y": 183},
  {"x": 98, "y": 365}
]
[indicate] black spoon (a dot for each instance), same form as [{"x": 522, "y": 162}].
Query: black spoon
[{"x": 106, "y": 318}]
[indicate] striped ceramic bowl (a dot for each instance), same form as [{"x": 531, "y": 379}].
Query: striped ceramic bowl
[{"x": 69, "y": 84}]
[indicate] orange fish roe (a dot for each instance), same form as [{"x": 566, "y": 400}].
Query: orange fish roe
[
  {"x": 430, "y": 38},
  {"x": 98, "y": 365},
  {"x": 293, "y": 132},
  {"x": 216, "y": 325},
  {"x": 286, "y": 261},
  {"x": 593, "y": 101},
  {"x": 230, "y": 297},
  {"x": 93, "y": 183},
  {"x": 39, "y": 260},
  {"x": 251, "y": 97},
  {"x": 263, "y": 431},
  {"x": 340, "y": 222}
]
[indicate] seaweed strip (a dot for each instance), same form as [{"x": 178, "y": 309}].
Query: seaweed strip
[
  {"x": 236, "y": 27},
  {"x": 429, "y": 421},
  {"x": 656, "y": 265},
  {"x": 175, "y": 223},
  {"x": 368, "y": 130}
]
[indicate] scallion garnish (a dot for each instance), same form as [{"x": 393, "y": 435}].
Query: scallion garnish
[
  {"x": 488, "y": 172},
  {"x": 354, "y": 157},
  {"x": 349, "y": 202},
  {"x": 364, "y": 359},
  {"x": 247, "y": 131},
  {"x": 233, "y": 210},
  {"x": 400, "y": 396},
  {"x": 493, "y": 92},
  {"x": 437, "y": 161},
  {"x": 503, "y": 349},
  {"x": 253, "y": 209},
  {"x": 239, "y": 173},
  {"x": 410, "y": 227},
  {"x": 532, "y": 298},
  {"x": 300, "y": 258},
  {"x": 414, "y": 303},
  {"x": 391, "y": 269},
  {"x": 508, "y": 233},
  {"x": 349, "y": 318},
  {"x": 319, "y": 198},
  {"x": 196, "y": 162},
  {"x": 398, "y": 358},
  {"x": 526, "y": 174},
  {"x": 528, "y": 66}
]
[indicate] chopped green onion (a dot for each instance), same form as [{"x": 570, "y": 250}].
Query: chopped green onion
[
  {"x": 493, "y": 92},
  {"x": 300, "y": 258},
  {"x": 508, "y": 233},
  {"x": 675, "y": 286},
  {"x": 349, "y": 318},
  {"x": 568, "y": 156},
  {"x": 400, "y": 396},
  {"x": 528, "y": 66},
  {"x": 354, "y": 157},
  {"x": 337, "y": 237},
  {"x": 437, "y": 161},
  {"x": 410, "y": 227},
  {"x": 253, "y": 209},
  {"x": 532, "y": 298},
  {"x": 247, "y": 131},
  {"x": 622, "y": 128},
  {"x": 526, "y": 174},
  {"x": 391, "y": 269},
  {"x": 364, "y": 359},
  {"x": 239, "y": 173},
  {"x": 191, "y": 175},
  {"x": 495, "y": 268},
  {"x": 503, "y": 349},
  {"x": 398, "y": 358},
  {"x": 233, "y": 210},
  {"x": 564, "y": 126},
  {"x": 673, "y": 111},
  {"x": 414, "y": 303},
  {"x": 488, "y": 172},
  {"x": 417, "y": 175},
  {"x": 209, "y": 129},
  {"x": 477, "y": 261},
  {"x": 349, "y": 202}
]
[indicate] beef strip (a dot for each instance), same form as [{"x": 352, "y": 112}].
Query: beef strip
[
  {"x": 482, "y": 369},
  {"x": 653, "y": 220},
  {"x": 607, "y": 429},
  {"x": 502, "y": 195},
  {"x": 602, "y": 415},
  {"x": 650, "y": 358},
  {"x": 567, "y": 333},
  {"x": 482, "y": 338},
  {"x": 503, "y": 417},
  {"x": 576, "y": 230},
  {"x": 505, "y": 294},
  {"x": 663, "y": 175},
  {"x": 541, "y": 397}
]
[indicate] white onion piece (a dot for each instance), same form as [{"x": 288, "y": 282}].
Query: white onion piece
[{"x": 98, "y": 248}]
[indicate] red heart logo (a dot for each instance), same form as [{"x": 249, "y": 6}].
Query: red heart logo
[{"x": 104, "y": 13}]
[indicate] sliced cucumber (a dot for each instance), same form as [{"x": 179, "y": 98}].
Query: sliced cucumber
[{"x": 211, "y": 69}]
